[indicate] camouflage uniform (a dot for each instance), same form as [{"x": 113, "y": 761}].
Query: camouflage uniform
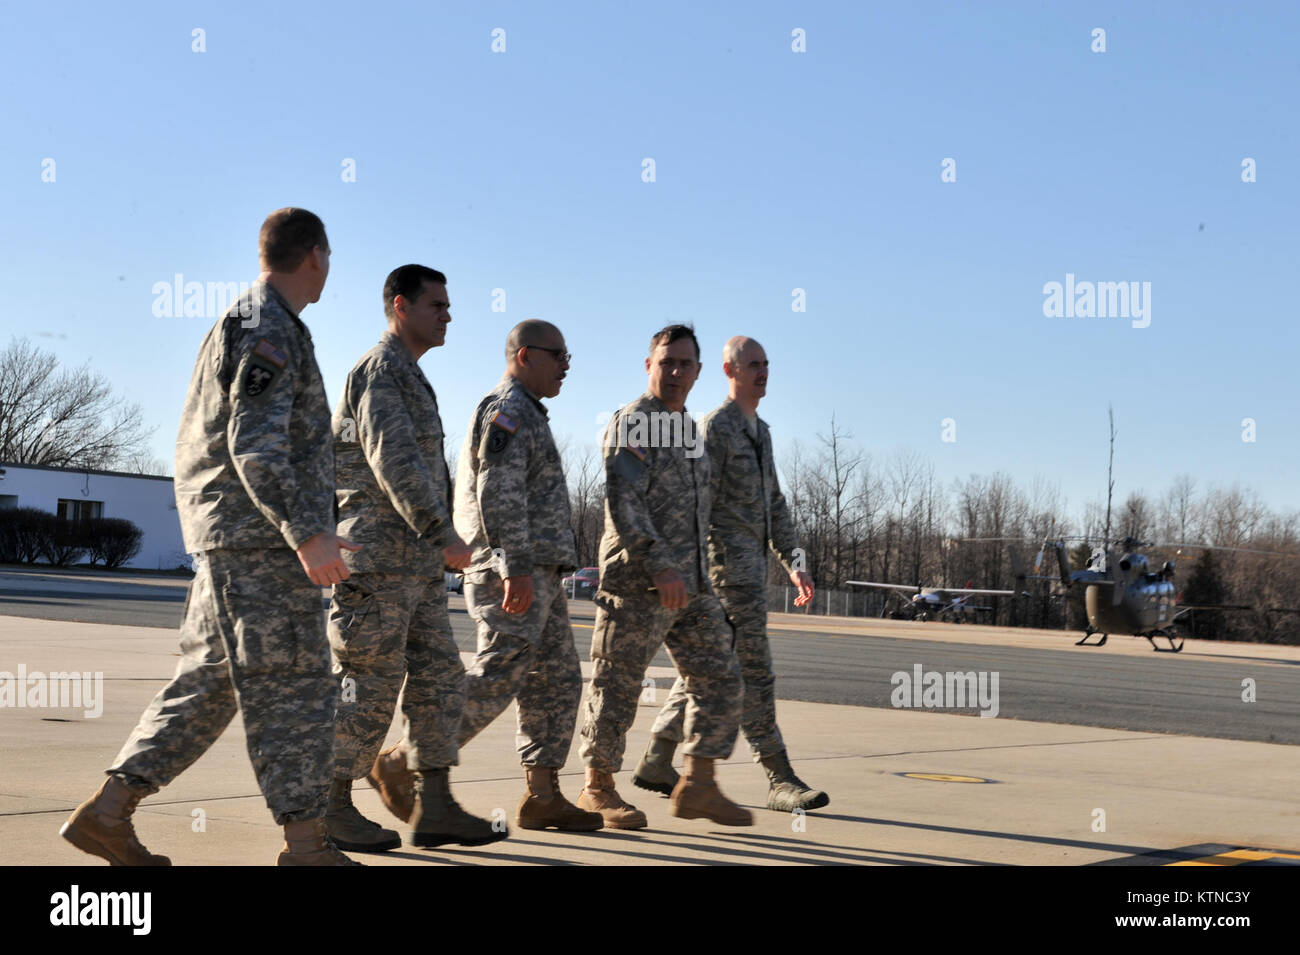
[
  {"x": 254, "y": 481},
  {"x": 656, "y": 515},
  {"x": 749, "y": 515},
  {"x": 512, "y": 506},
  {"x": 389, "y": 619}
]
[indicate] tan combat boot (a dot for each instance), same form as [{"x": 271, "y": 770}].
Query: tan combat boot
[
  {"x": 697, "y": 797},
  {"x": 599, "y": 795},
  {"x": 349, "y": 829},
  {"x": 102, "y": 826},
  {"x": 393, "y": 781},
  {"x": 307, "y": 843},
  {"x": 544, "y": 806}
]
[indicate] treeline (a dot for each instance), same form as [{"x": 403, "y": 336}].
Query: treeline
[
  {"x": 29, "y": 535},
  {"x": 891, "y": 520}
]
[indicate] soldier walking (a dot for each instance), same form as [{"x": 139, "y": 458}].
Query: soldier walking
[
  {"x": 389, "y": 621},
  {"x": 255, "y": 495},
  {"x": 749, "y": 516},
  {"x": 654, "y": 589},
  {"x": 512, "y": 506}
]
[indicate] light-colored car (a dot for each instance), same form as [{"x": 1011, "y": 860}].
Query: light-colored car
[{"x": 582, "y": 584}]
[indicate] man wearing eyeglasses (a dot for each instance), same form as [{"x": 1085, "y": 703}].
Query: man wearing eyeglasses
[{"x": 512, "y": 506}]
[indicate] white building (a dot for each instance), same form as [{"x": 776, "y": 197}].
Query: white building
[{"x": 147, "y": 501}]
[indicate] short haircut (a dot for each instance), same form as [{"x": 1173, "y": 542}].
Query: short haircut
[
  {"x": 530, "y": 331},
  {"x": 288, "y": 236},
  {"x": 672, "y": 333},
  {"x": 408, "y": 282}
]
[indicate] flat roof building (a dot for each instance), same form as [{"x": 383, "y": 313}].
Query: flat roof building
[{"x": 146, "y": 500}]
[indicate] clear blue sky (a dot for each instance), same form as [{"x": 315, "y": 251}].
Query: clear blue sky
[{"x": 775, "y": 170}]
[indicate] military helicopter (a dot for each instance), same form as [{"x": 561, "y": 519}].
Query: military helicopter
[{"x": 1120, "y": 593}]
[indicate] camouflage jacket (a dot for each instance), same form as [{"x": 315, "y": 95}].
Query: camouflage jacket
[
  {"x": 656, "y": 501},
  {"x": 394, "y": 492},
  {"x": 749, "y": 513},
  {"x": 511, "y": 496},
  {"x": 254, "y": 459}
]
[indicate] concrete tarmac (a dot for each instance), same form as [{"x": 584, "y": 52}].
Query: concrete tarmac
[{"x": 907, "y": 786}]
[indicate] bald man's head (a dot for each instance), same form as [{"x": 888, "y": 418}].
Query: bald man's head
[
  {"x": 735, "y": 347},
  {"x": 745, "y": 364},
  {"x": 536, "y": 356}
]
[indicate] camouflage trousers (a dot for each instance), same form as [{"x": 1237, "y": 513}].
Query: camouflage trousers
[
  {"x": 529, "y": 658},
  {"x": 746, "y": 608},
  {"x": 385, "y": 629},
  {"x": 628, "y": 633},
  {"x": 252, "y": 642}
]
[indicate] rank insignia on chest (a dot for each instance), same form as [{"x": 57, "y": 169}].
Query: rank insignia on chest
[
  {"x": 505, "y": 422},
  {"x": 256, "y": 380},
  {"x": 272, "y": 354}
]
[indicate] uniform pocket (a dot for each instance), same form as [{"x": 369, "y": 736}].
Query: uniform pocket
[
  {"x": 268, "y": 612},
  {"x": 604, "y": 632}
]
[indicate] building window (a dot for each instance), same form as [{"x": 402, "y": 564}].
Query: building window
[
  {"x": 8, "y": 501},
  {"x": 72, "y": 510}
]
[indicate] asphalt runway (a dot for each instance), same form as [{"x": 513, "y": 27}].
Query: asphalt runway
[{"x": 1164, "y": 693}]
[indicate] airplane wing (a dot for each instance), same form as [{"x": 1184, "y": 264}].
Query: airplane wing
[
  {"x": 905, "y": 588},
  {"x": 973, "y": 590}
]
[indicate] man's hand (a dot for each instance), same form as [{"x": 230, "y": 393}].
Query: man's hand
[
  {"x": 672, "y": 589},
  {"x": 321, "y": 560},
  {"x": 519, "y": 594},
  {"x": 801, "y": 580},
  {"x": 457, "y": 555}
]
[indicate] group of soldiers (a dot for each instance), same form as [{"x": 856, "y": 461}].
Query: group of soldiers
[{"x": 277, "y": 499}]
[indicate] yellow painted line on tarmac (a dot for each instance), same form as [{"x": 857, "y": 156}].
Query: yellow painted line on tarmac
[{"x": 1237, "y": 857}]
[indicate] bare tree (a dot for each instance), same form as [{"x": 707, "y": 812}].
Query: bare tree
[
  {"x": 139, "y": 463},
  {"x": 840, "y": 462},
  {"x": 63, "y": 418},
  {"x": 584, "y": 473}
]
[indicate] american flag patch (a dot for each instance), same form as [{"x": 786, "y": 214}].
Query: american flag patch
[
  {"x": 271, "y": 353},
  {"x": 637, "y": 451},
  {"x": 504, "y": 422}
]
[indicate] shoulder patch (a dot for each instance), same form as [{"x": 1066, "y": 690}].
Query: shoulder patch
[
  {"x": 630, "y": 462},
  {"x": 257, "y": 379},
  {"x": 497, "y": 441},
  {"x": 505, "y": 422},
  {"x": 272, "y": 354}
]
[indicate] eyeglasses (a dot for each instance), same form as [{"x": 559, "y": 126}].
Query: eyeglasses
[{"x": 560, "y": 354}]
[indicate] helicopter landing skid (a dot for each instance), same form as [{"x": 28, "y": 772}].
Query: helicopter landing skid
[
  {"x": 1175, "y": 642},
  {"x": 1084, "y": 642}
]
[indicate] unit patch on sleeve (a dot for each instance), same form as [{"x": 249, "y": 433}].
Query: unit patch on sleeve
[
  {"x": 257, "y": 379},
  {"x": 501, "y": 428}
]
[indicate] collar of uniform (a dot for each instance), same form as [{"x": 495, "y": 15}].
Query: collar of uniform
[
  {"x": 271, "y": 292},
  {"x": 656, "y": 403},
  {"x": 514, "y": 384},
  {"x": 396, "y": 346},
  {"x": 732, "y": 407}
]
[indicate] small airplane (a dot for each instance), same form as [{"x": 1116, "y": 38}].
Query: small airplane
[{"x": 932, "y": 603}]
